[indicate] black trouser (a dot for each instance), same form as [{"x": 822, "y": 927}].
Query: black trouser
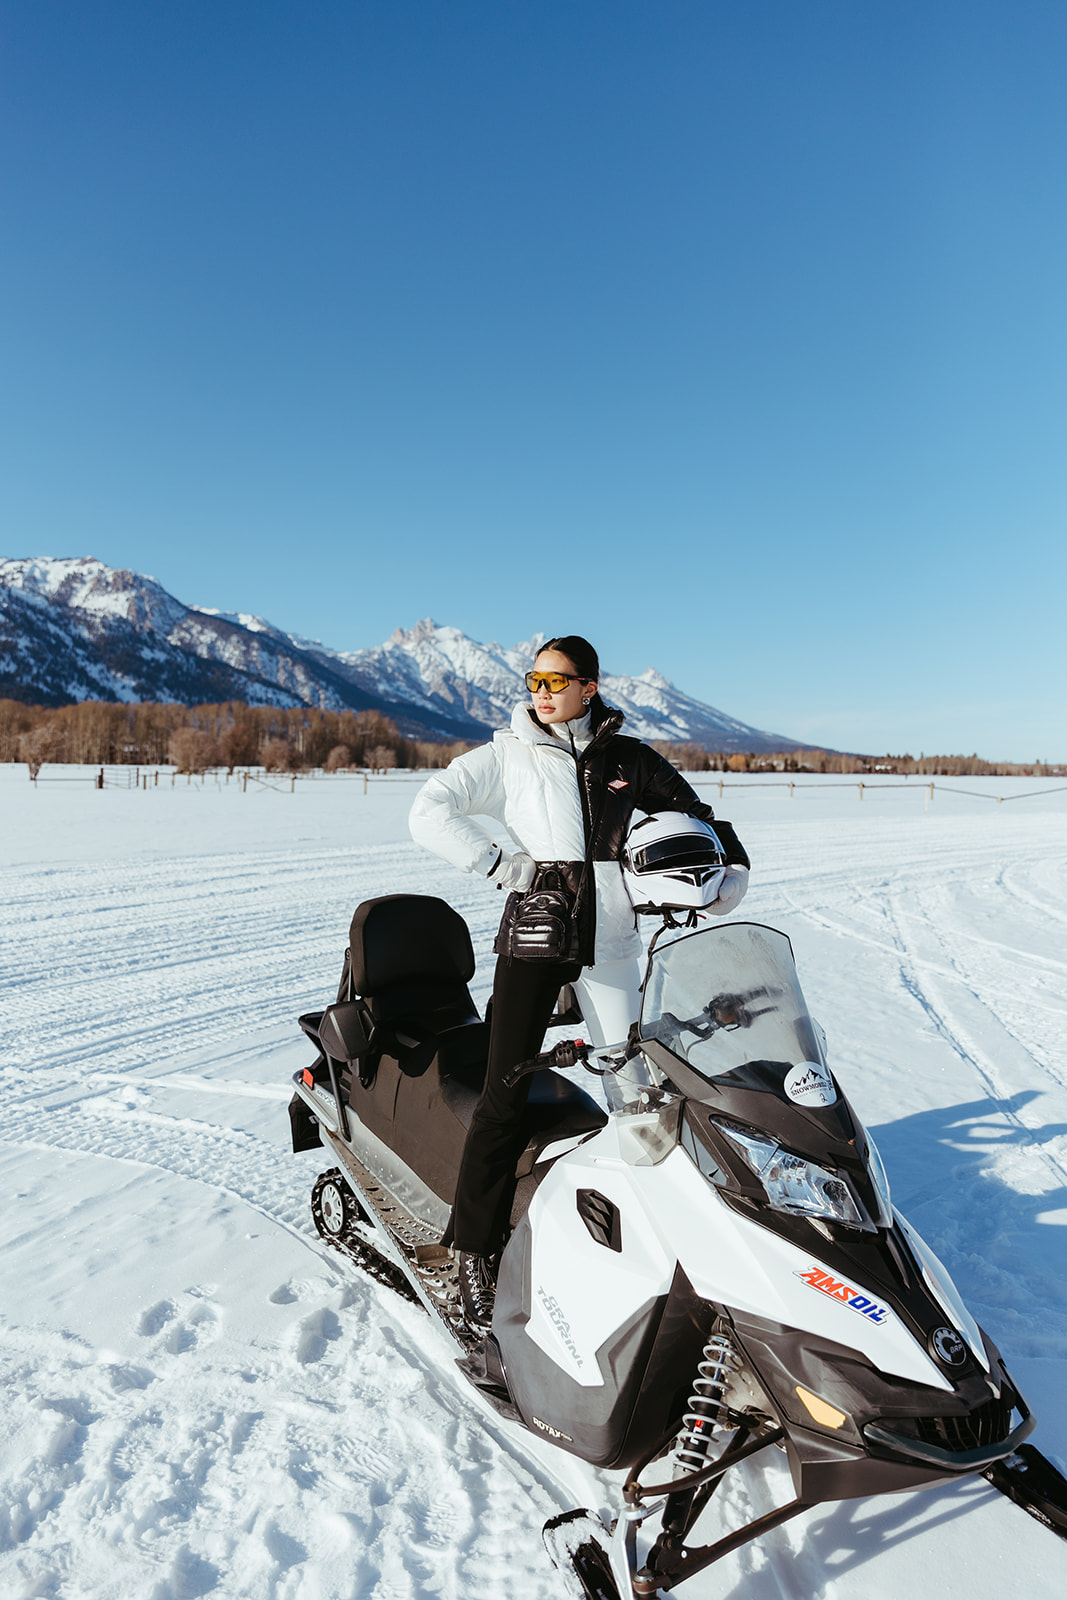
[{"x": 524, "y": 996}]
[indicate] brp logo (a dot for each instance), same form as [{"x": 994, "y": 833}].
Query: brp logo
[{"x": 948, "y": 1347}]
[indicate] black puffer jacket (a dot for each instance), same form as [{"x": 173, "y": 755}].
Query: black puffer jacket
[{"x": 618, "y": 775}]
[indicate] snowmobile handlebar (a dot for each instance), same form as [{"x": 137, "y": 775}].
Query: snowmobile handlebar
[{"x": 567, "y": 1053}]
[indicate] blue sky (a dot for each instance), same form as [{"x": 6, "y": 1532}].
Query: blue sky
[{"x": 733, "y": 336}]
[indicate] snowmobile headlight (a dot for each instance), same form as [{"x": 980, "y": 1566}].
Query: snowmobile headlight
[{"x": 792, "y": 1183}]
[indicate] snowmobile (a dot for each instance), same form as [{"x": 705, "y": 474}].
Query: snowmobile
[{"x": 712, "y": 1269}]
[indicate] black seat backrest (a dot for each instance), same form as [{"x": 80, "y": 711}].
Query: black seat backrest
[{"x": 412, "y": 959}]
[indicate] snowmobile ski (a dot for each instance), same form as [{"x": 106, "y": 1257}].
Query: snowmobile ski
[
  {"x": 1030, "y": 1479},
  {"x": 577, "y": 1544}
]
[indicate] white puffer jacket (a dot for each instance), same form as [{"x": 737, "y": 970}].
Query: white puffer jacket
[{"x": 526, "y": 779}]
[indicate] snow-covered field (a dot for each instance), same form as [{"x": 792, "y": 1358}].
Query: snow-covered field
[{"x": 199, "y": 1399}]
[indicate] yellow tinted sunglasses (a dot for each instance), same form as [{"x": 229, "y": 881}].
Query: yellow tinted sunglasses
[{"x": 554, "y": 682}]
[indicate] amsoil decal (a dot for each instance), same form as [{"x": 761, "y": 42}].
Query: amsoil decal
[
  {"x": 809, "y": 1084},
  {"x": 841, "y": 1291}
]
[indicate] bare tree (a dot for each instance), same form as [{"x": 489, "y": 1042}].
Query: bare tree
[
  {"x": 339, "y": 758},
  {"x": 381, "y": 758},
  {"x": 38, "y": 746},
  {"x": 239, "y": 745},
  {"x": 193, "y": 749},
  {"x": 279, "y": 756}
]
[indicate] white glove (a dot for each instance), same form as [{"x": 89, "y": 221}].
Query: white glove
[
  {"x": 514, "y": 872},
  {"x": 731, "y": 892}
]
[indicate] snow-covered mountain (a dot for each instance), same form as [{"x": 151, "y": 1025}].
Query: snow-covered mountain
[
  {"x": 441, "y": 669},
  {"x": 79, "y": 630}
]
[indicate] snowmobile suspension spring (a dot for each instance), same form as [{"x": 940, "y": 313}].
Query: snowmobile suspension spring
[{"x": 702, "y": 1417}]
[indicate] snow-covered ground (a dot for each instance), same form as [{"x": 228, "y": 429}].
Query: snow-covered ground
[{"x": 200, "y": 1400}]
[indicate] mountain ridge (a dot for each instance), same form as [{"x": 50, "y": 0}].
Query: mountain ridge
[{"x": 75, "y": 629}]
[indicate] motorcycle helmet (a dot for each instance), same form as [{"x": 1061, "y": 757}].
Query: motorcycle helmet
[{"x": 672, "y": 862}]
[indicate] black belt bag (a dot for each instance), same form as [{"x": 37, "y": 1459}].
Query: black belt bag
[{"x": 542, "y": 924}]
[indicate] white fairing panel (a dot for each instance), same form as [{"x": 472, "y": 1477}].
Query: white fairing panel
[
  {"x": 944, "y": 1291},
  {"x": 582, "y": 1292}
]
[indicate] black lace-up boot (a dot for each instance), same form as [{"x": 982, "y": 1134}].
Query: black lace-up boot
[{"x": 477, "y": 1287}]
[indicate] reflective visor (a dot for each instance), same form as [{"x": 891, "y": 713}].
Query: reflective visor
[{"x": 678, "y": 853}]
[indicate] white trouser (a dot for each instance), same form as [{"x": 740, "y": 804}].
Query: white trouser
[{"x": 610, "y": 997}]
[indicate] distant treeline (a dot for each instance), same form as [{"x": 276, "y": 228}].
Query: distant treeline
[
  {"x": 299, "y": 738},
  {"x": 693, "y": 758},
  {"x": 283, "y": 738}
]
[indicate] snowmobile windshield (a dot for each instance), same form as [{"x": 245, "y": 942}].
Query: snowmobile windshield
[{"x": 726, "y": 996}]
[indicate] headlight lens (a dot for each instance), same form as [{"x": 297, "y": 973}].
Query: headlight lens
[{"x": 795, "y": 1184}]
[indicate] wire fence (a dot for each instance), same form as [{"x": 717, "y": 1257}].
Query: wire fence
[
  {"x": 121, "y": 777},
  {"x": 138, "y": 778},
  {"x": 863, "y": 786}
]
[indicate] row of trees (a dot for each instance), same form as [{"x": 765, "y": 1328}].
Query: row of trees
[
  {"x": 281, "y": 738},
  {"x": 299, "y": 738},
  {"x": 691, "y": 758}
]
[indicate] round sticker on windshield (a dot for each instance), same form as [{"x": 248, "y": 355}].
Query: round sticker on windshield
[{"x": 809, "y": 1084}]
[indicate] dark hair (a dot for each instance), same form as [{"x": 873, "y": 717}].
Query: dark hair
[
  {"x": 586, "y": 662},
  {"x": 579, "y": 653}
]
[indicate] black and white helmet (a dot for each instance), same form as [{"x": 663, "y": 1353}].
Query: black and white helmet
[{"x": 672, "y": 862}]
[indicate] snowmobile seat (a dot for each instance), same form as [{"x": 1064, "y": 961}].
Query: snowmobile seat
[{"x": 410, "y": 960}]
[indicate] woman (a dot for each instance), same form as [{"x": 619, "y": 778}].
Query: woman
[{"x": 564, "y": 783}]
